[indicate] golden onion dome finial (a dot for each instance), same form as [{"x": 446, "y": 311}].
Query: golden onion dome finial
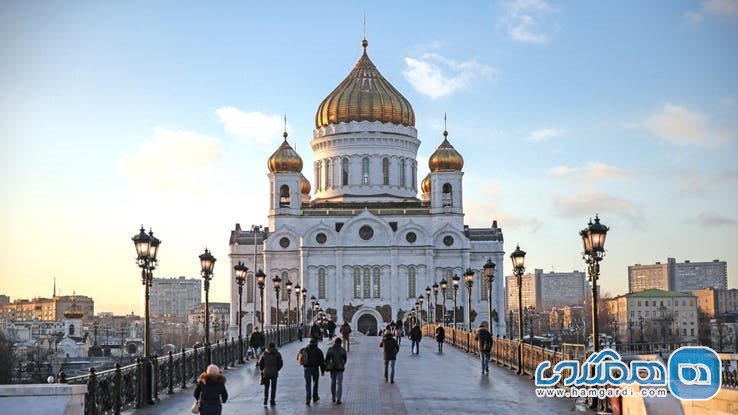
[
  {"x": 445, "y": 158},
  {"x": 285, "y": 159},
  {"x": 425, "y": 184},
  {"x": 304, "y": 185},
  {"x": 365, "y": 95}
]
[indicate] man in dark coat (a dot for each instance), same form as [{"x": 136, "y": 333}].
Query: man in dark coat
[
  {"x": 316, "y": 332},
  {"x": 270, "y": 364},
  {"x": 330, "y": 326},
  {"x": 415, "y": 335},
  {"x": 391, "y": 348},
  {"x": 484, "y": 341},
  {"x": 256, "y": 341},
  {"x": 335, "y": 363},
  {"x": 440, "y": 336},
  {"x": 345, "y": 333},
  {"x": 211, "y": 391},
  {"x": 313, "y": 366}
]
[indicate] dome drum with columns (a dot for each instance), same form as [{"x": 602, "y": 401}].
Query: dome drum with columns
[{"x": 369, "y": 241}]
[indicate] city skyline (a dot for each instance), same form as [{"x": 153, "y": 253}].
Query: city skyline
[{"x": 120, "y": 115}]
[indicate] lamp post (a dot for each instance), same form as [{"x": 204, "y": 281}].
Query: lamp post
[
  {"x": 427, "y": 297},
  {"x": 255, "y": 230},
  {"x": 455, "y": 283},
  {"x": 593, "y": 240},
  {"x": 288, "y": 287},
  {"x": 444, "y": 287},
  {"x": 518, "y": 261},
  {"x": 298, "y": 294},
  {"x": 420, "y": 308},
  {"x": 240, "y": 270},
  {"x": 489, "y": 276},
  {"x": 207, "y": 262},
  {"x": 260, "y": 278},
  {"x": 277, "y": 282},
  {"x": 416, "y": 307},
  {"x": 435, "y": 302},
  {"x": 469, "y": 280},
  {"x": 147, "y": 247},
  {"x": 313, "y": 300},
  {"x": 304, "y": 305}
]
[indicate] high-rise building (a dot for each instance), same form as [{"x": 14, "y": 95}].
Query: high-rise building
[
  {"x": 369, "y": 240},
  {"x": 173, "y": 298},
  {"x": 560, "y": 288},
  {"x": 715, "y": 301},
  {"x": 530, "y": 293},
  {"x": 678, "y": 276}
]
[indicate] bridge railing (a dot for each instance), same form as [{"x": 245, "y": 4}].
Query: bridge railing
[{"x": 123, "y": 387}]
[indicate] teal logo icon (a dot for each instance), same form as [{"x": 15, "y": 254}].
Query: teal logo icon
[{"x": 694, "y": 373}]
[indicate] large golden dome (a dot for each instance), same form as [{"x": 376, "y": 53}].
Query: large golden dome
[
  {"x": 285, "y": 159},
  {"x": 445, "y": 158},
  {"x": 365, "y": 96}
]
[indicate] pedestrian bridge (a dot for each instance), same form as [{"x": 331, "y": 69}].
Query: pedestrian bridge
[{"x": 429, "y": 383}]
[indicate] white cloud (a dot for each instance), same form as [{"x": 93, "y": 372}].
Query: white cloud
[
  {"x": 682, "y": 126},
  {"x": 713, "y": 219},
  {"x": 719, "y": 8},
  {"x": 588, "y": 202},
  {"x": 251, "y": 126},
  {"x": 482, "y": 214},
  {"x": 436, "y": 76},
  {"x": 173, "y": 160},
  {"x": 545, "y": 134},
  {"x": 592, "y": 171},
  {"x": 525, "y": 21},
  {"x": 695, "y": 183}
]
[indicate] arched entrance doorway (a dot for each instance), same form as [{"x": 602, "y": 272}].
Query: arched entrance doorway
[{"x": 367, "y": 324}]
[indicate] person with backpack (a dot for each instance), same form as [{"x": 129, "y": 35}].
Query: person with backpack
[
  {"x": 210, "y": 391},
  {"x": 391, "y": 348},
  {"x": 313, "y": 363},
  {"x": 256, "y": 341},
  {"x": 440, "y": 337},
  {"x": 484, "y": 341},
  {"x": 270, "y": 364},
  {"x": 415, "y": 335},
  {"x": 335, "y": 363},
  {"x": 345, "y": 332}
]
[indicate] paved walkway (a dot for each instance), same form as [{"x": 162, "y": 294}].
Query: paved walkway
[{"x": 427, "y": 383}]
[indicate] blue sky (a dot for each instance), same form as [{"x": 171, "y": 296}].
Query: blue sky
[{"x": 113, "y": 115}]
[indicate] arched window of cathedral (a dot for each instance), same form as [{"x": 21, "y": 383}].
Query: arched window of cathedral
[
  {"x": 446, "y": 196},
  {"x": 321, "y": 283},
  {"x": 283, "y": 292},
  {"x": 357, "y": 282},
  {"x": 447, "y": 275},
  {"x": 385, "y": 171},
  {"x": 365, "y": 170},
  {"x": 411, "y": 282},
  {"x": 318, "y": 174},
  {"x": 250, "y": 288},
  {"x": 284, "y": 196},
  {"x": 483, "y": 288},
  {"x": 71, "y": 329},
  {"x": 367, "y": 282},
  {"x": 345, "y": 171},
  {"x": 402, "y": 172},
  {"x": 328, "y": 174},
  {"x": 376, "y": 284}
]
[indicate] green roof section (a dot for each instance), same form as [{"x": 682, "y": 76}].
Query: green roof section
[{"x": 655, "y": 292}]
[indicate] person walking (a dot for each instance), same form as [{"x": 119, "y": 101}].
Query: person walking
[
  {"x": 415, "y": 335},
  {"x": 335, "y": 363},
  {"x": 270, "y": 364},
  {"x": 345, "y": 332},
  {"x": 484, "y": 341},
  {"x": 300, "y": 330},
  {"x": 391, "y": 348},
  {"x": 330, "y": 326},
  {"x": 398, "y": 332},
  {"x": 211, "y": 391},
  {"x": 440, "y": 337},
  {"x": 315, "y": 331},
  {"x": 313, "y": 363},
  {"x": 256, "y": 341}
]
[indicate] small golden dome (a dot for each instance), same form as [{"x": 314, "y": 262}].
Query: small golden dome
[
  {"x": 365, "y": 96},
  {"x": 285, "y": 159},
  {"x": 446, "y": 158},
  {"x": 425, "y": 185},
  {"x": 73, "y": 311},
  {"x": 304, "y": 186}
]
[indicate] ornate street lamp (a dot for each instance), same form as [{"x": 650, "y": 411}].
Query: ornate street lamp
[
  {"x": 489, "y": 276},
  {"x": 255, "y": 230},
  {"x": 593, "y": 241},
  {"x": 298, "y": 293},
  {"x": 455, "y": 283},
  {"x": 417, "y": 311},
  {"x": 277, "y": 282},
  {"x": 288, "y": 287},
  {"x": 427, "y": 297},
  {"x": 147, "y": 246},
  {"x": 435, "y": 301},
  {"x": 444, "y": 286},
  {"x": 313, "y": 301},
  {"x": 469, "y": 280},
  {"x": 420, "y": 308},
  {"x": 240, "y": 269},
  {"x": 260, "y": 279},
  {"x": 207, "y": 263},
  {"x": 304, "y": 305},
  {"x": 518, "y": 261}
]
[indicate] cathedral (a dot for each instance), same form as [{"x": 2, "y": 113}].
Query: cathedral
[{"x": 361, "y": 237}]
